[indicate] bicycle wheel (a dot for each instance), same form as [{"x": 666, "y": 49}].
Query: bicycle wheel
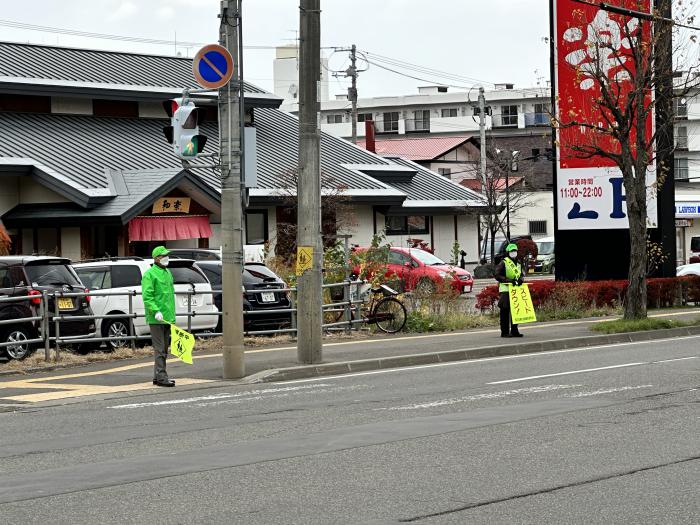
[{"x": 390, "y": 315}]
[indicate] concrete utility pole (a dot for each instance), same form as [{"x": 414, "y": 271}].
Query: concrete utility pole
[
  {"x": 309, "y": 246},
  {"x": 352, "y": 90},
  {"x": 482, "y": 153},
  {"x": 231, "y": 198}
]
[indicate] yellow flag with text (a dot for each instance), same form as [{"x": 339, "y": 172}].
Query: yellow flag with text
[
  {"x": 181, "y": 344},
  {"x": 521, "y": 308}
]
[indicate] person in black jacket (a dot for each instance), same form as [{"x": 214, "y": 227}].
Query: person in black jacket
[{"x": 508, "y": 271}]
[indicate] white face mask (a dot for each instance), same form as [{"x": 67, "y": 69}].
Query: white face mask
[
  {"x": 512, "y": 255},
  {"x": 165, "y": 261}
]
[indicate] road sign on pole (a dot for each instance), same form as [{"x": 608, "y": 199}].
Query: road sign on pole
[{"x": 212, "y": 66}]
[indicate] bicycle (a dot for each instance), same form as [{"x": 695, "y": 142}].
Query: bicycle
[{"x": 382, "y": 309}]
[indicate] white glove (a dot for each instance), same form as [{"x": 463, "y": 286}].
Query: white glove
[{"x": 159, "y": 317}]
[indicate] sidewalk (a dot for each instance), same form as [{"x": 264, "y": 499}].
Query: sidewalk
[{"x": 279, "y": 363}]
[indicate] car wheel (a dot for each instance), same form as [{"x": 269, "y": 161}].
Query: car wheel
[
  {"x": 425, "y": 287},
  {"x": 118, "y": 331},
  {"x": 551, "y": 270},
  {"x": 19, "y": 336}
]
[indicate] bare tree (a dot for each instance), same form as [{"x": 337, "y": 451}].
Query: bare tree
[
  {"x": 500, "y": 176},
  {"x": 336, "y": 213},
  {"x": 625, "y": 62}
]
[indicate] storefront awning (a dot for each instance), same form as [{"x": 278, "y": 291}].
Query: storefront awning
[{"x": 169, "y": 228}]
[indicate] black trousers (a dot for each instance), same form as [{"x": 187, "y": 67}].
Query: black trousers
[{"x": 507, "y": 326}]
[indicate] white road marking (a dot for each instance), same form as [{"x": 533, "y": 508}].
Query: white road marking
[
  {"x": 224, "y": 395},
  {"x": 570, "y": 372},
  {"x": 479, "y": 397},
  {"x": 602, "y": 391},
  {"x": 477, "y": 361},
  {"x": 284, "y": 394},
  {"x": 679, "y": 359}
]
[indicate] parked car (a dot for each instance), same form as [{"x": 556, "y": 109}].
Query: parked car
[
  {"x": 545, "y": 255},
  {"x": 688, "y": 269},
  {"x": 256, "y": 276},
  {"x": 196, "y": 254},
  {"x": 419, "y": 270},
  {"x": 24, "y": 275},
  {"x": 501, "y": 252},
  {"x": 124, "y": 275}
]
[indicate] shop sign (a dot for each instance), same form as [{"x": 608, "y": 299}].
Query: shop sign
[{"x": 172, "y": 205}]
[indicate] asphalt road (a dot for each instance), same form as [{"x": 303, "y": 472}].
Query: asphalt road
[{"x": 604, "y": 435}]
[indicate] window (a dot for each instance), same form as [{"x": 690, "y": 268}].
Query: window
[
  {"x": 537, "y": 227},
  {"x": 681, "y": 137},
  {"x": 680, "y": 107},
  {"x": 397, "y": 258},
  {"x": 95, "y": 278},
  {"x": 213, "y": 275},
  {"x": 448, "y": 112},
  {"x": 390, "y": 121},
  {"x": 445, "y": 172},
  {"x": 509, "y": 115},
  {"x": 406, "y": 225},
  {"x": 5, "y": 279},
  {"x": 334, "y": 119},
  {"x": 187, "y": 275},
  {"x": 680, "y": 169},
  {"x": 363, "y": 117},
  {"x": 421, "y": 120},
  {"x": 256, "y": 226},
  {"x": 124, "y": 276}
]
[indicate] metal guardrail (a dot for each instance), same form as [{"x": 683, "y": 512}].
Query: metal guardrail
[{"x": 45, "y": 316}]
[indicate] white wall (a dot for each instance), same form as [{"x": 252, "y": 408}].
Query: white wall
[
  {"x": 151, "y": 110},
  {"x": 468, "y": 237},
  {"x": 31, "y": 192},
  {"x": 9, "y": 193},
  {"x": 540, "y": 207}
]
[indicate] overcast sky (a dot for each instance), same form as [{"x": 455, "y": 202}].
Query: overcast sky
[{"x": 486, "y": 40}]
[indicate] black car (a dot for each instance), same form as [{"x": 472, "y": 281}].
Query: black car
[
  {"x": 256, "y": 276},
  {"x": 23, "y": 276}
]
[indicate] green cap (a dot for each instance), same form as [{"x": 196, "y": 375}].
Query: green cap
[
  {"x": 159, "y": 251},
  {"x": 512, "y": 247}
]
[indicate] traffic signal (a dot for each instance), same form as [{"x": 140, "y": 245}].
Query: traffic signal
[{"x": 183, "y": 132}]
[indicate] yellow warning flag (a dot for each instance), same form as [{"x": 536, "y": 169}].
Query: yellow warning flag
[
  {"x": 521, "y": 307},
  {"x": 181, "y": 344}
]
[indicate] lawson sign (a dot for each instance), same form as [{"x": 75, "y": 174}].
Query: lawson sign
[{"x": 687, "y": 209}]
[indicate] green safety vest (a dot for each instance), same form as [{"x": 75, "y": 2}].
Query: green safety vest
[{"x": 513, "y": 271}]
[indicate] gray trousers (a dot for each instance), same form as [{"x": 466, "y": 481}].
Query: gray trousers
[{"x": 160, "y": 336}]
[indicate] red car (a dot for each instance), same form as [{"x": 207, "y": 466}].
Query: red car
[{"x": 421, "y": 270}]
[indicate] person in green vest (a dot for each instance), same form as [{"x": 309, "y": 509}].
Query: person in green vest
[
  {"x": 158, "y": 292},
  {"x": 508, "y": 271}
]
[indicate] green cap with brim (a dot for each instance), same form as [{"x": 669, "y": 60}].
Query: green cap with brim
[
  {"x": 159, "y": 251},
  {"x": 512, "y": 247}
]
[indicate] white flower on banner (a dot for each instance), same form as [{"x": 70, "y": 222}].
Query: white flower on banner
[{"x": 604, "y": 49}]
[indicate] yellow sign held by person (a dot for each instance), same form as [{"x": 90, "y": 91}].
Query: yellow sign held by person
[
  {"x": 305, "y": 258},
  {"x": 181, "y": 344},
  {"x": 521, "y": 308}
]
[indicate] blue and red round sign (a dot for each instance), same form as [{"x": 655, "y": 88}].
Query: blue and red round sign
[{"x": 212, "y": 66}]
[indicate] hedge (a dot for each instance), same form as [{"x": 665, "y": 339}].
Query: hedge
[{"x": 661, "y": 292}]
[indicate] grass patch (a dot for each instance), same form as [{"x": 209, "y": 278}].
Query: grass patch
[
  {"x": 636, "y": 325},
  {"x": 421, "y": 322}
]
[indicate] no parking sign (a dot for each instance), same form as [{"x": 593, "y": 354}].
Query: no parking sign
[{"x": 212, "y": 66}]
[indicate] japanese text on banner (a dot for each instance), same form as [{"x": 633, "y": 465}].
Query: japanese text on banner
[
  {"x": 521, "y": 308},
  {"x": 181, "y": 344}
]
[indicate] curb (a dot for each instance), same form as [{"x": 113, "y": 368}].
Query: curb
[{"x": 366, "y": 365}]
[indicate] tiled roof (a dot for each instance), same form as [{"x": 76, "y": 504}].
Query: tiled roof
[
  {"x": 424, "y": 148},
  {"x": 428, "y": 186}
]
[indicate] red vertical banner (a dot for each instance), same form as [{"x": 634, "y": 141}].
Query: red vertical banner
[{"x": 591, "y": 44}]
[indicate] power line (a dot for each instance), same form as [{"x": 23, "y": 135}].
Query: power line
[{"x": 122, "y": 38}]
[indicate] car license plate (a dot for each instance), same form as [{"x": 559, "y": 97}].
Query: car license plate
[
  {"x": 267, "y": 297},
  {"x": 531, "y": 270},
  {"x": 196, "y": 301},
  {"x": 65, "y": 303}
]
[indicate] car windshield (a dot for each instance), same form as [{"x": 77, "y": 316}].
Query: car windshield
[
  {"x": 545, "y": 248},
  {"x": 255, "y": 273},
  {"x": 51, "y": 274},
  {"x": 427, "y": 258}
]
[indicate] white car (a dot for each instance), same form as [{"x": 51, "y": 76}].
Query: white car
[
  {"x": 688, "y": 269},
  {"x": 124, "y": 275}
]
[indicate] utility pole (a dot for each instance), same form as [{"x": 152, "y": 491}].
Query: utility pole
[
  {"x": 352, "y": 90},
  {"x": 482, "y": 155},
  {"x": 309, "y": 246},
  {"x": 231, "y": 198}
]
